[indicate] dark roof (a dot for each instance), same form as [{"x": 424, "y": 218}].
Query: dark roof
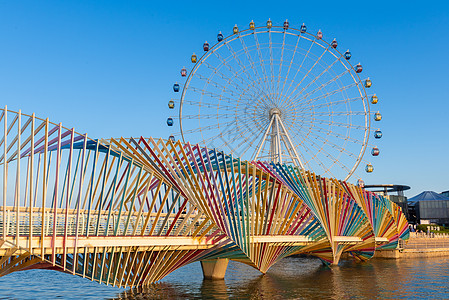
[{"x": 428, "y": 196}]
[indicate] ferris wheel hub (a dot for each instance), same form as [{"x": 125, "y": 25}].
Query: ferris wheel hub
[{"x": 274, "y": 111}]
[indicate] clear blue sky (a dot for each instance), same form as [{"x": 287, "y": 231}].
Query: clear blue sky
[{"x": 107, "y": 67}]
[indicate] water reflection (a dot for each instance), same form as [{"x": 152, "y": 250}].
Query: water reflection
[
  {"x": 214, "y": 289},
  {"x": 307, "y": 278}
]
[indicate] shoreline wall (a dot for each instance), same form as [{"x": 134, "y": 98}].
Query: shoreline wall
[{"x": 419, "y": 246}]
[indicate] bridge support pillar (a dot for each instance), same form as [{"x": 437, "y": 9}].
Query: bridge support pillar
[
  {"x": 214, "y": 268},
  {"x": 336, "y": 253},
  {"x": 336, "y": 259}
]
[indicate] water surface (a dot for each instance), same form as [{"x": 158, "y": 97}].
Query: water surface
[{"x": 291, "y": 278}]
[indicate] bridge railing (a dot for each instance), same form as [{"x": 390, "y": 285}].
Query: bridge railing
[{"x": 94, "y": 224}]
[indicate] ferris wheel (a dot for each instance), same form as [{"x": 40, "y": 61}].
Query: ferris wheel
[{"x": 280, "y": 94}]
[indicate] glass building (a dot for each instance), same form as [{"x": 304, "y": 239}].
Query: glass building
[{"x": 431, "y": 208}]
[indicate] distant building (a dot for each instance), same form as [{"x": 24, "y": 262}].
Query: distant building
[
  {"x": 430, "y": 207},
  {"x": 387, "y": 189}
]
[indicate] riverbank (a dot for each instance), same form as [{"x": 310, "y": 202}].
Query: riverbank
[{"x": 419, "y": 245}]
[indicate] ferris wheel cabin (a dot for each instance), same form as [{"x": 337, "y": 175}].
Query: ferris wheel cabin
[{"x": 377, "y": 134}]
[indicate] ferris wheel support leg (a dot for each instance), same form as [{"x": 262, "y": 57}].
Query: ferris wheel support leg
[
  {"x": 278, "y": 151},
  {"x": 260, "y": 146},
  {"x": 290, "y": 151},
  {"x": 296, "y": 156}
]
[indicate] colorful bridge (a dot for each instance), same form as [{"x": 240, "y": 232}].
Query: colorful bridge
[{"x": 128, "y": 211}]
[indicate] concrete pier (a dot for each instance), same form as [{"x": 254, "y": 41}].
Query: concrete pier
[{"x": 214, "y": 268}]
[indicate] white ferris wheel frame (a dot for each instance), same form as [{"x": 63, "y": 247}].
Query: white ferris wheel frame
[{"x": 281, "y": 134}]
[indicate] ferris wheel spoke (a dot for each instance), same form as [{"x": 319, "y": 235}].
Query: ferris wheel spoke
[
  {"x": 238, "y": 134},
  {"x": 230, "y": 80},
  {"x": 270, "y": 47},
  {"x": 235, "y": 112},
  {"x": 250, "y": 124},
  {"x": 319, "y": 88},
  {"x": 330, "y": 156},
  {"x": 319, "y": 149},
  {"x": 205, "y": 128},
  {"x": 314, "y": 157},
  {"x": 207, "y": 116},
  {"x": 237, "y": 59},
  {"x": 328, "y": 94},
  {"x": 332, "y": 103},
  {"x": 225, "y": 62},
  {"x": 278, "y": 91},
  {"x": 232, "y": 126},
  {"x": 333, "y": 145},
  {"x": 333, "y": 123},
  {"x": 336, "y": 161},
  {"x": 254, "y": 139},
  {"x": 254, "y": 82},
  {"x": 224, "y": 135},
  {"x": 291, "y": 61},
  {"x": 209, "y": 104},
  {"x": 337, "y": 135},
  {"x": 340, "y": 113},
  {"x": 307, "y": 73},
  {"x": 307, "y": 106},
  {"x": 212, "y": 94},
  {"x": 317, "y": 77},
  {"x": 299, "y": 68},
  {"x": 228, "y": 66},
  {"x": 250, "y": 60},
  {"x": 232, "y": 88},
  {"x": 262, "y": 65},
  {"x": 232, "y": 91}
]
